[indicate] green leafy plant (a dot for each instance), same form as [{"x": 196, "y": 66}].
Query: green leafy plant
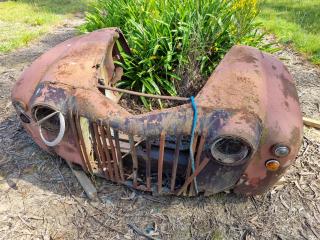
[{"x": 169, "y": 37}]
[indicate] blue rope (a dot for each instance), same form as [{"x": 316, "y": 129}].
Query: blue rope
[{"x": 194, "y": 125}]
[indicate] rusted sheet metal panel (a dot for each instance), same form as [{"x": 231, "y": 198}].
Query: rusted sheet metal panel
[{"x": 250, "y": 96}]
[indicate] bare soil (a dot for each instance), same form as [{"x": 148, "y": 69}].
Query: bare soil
[{"x": 41, "y": 199}]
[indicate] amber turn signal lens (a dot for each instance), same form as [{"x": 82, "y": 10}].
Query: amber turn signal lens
[{"x": 272, "y": 165}]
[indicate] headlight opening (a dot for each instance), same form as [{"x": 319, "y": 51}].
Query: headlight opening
[{"x": 230, "y": 150}]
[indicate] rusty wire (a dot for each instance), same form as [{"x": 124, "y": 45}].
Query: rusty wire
[{"x": 144, "y": 94}]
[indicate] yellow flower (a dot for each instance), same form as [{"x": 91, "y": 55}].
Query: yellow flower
[{"x": 247, "y": 5}]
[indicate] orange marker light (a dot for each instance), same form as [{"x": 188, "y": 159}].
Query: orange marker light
[{"x": 272, "y": 165}]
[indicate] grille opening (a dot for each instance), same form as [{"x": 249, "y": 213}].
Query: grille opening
[
  {"x": 230, "y": 150},
  {"x": 167, "y": 174},
  {"x": 52, "y": 124},
  {"x": 111, "y": 153}
]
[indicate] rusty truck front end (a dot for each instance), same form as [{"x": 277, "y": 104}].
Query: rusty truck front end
[{"x": 248, "y": 132}]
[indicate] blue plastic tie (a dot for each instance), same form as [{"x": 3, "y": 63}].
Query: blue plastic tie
[{"x": 194, "y": 125}]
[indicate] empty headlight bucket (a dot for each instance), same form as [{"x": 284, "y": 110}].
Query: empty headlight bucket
[
  {"x": 51, "y": 124},
  {"x": 230, "y": 150},
  {"x": 40, "y": 112}
]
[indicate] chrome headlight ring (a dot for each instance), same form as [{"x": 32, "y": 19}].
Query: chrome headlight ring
[{"x": 60, "y": 135}]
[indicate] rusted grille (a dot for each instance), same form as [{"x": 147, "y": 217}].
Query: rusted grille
[{"x": 158, "y": 164}]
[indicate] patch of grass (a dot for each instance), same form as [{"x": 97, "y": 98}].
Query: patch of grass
[
  {"x": 25, "y": 20},
  {"x": 172, "y": 39},
  {"x": 295, "y": 22}
]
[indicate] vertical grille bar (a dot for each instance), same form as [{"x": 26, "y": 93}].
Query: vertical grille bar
[
  {"x": 76, "y": 120},
  {"x": 134, "y": 160},
  {"x": 113, "y": 152},
  {"x": 107, "y": 154},
  {"x": 100, "y": 145},
  {"x": 77, "y": 140},
  {"x": 175, "y": 162},
  {"x": 200, "y": 148},
  {"x": 148, "y": 164},
  {"x": 95, "y": 144},
  {"x": 117, "y": 143},
  {"x": 160, "y": 160}
]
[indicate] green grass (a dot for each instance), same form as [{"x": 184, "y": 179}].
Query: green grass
[
  {"x": 25, "y": 20},
  {"x": 295, "y": 22}
]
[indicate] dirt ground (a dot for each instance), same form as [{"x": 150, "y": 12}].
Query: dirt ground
[{"x": 41, "y": 199}]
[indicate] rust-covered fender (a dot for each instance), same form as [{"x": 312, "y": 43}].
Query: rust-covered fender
[{"x": 259, "y": 83}]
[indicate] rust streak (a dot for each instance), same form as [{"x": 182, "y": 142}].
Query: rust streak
[
  {"x": 175, "y": 162},
  {"x": 160, "y": 160},
  {"x": 134, "y": 161},
  {"x": 196, "y": 173}
]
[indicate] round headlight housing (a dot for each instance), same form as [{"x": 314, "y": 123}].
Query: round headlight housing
[
  {"x": 230, "y": 150},
  {"x": 51, "y": 123}
]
